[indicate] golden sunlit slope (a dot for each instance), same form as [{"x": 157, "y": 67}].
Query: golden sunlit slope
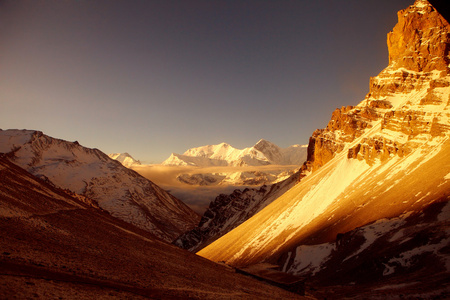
[
  {"x": 383, "y": 157},
  {"x": 344, "y": 194}
]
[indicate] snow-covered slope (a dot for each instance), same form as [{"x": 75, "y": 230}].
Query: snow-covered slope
[
  {"x": 90, "y": 172},
  {"x": 125, "y": 159},
  {"x": 385, "y": 157},
  {"x": 262, "y": 153}
]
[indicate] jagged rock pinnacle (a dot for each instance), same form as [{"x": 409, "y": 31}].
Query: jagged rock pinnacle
[{"x": 419, "y": 40}]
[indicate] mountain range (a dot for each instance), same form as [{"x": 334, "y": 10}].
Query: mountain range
[
  {"x": 261, "y": 154},
  {"x": 222, "y": 164}
]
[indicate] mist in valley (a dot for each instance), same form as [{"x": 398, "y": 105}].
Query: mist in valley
[{"x": 195, "y": 196}]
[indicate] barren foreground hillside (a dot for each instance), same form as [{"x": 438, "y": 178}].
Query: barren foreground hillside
[{"x": 54, "y": 245}]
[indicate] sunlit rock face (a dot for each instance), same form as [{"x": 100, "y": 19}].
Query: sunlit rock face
[
  {"x": 419, "y": 41},
  {"x": 410, "y": 96},
  {"x": 381, "y": 159}
]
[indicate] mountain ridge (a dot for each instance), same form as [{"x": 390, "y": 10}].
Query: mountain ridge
[
  {"x": 227, "y": 212},
  {"x": 89, "y": 172},
  {"x": 223, "y": 154}
]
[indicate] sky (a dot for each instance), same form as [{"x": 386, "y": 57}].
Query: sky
[{"x": 155, "y": 77}]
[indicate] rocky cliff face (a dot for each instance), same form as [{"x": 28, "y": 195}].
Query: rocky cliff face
[
  {"x": 227, "y": 212},
  {"x": 419, "y": 41},
  {"x": 409, "y": 97}
]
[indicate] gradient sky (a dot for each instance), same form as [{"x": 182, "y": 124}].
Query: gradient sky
[{"x": 155, "y": 77}]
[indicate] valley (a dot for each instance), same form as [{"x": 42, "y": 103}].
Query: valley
[{"x": 361, "y": 212}]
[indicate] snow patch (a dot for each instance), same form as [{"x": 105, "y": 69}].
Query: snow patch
[{"x": 309, "y": 258}]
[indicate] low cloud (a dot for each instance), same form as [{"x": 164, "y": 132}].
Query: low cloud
[
  {"x": 167, "y": 175},
  {"x": 197, "y": 197}
]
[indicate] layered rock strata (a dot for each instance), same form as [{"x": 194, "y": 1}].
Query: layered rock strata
[{"x": 408, "y": 101}]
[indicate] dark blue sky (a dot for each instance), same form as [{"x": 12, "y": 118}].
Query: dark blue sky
[{"x": 155, "y": 77}]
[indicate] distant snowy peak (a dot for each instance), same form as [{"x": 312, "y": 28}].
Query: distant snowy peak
[
  {"x": 262, "y": 153},
  {"x": 125, "y": 159},
  {"x": 271, "y": 151}
]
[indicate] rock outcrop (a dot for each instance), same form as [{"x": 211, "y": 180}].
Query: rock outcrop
[
  {"x": 410, "y": 96},
  {"x": 419, "y": 41}
]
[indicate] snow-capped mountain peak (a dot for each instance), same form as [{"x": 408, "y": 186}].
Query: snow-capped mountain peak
[
  {"x": 272, "y": 152},
  {"x": 125, "y": 159}
]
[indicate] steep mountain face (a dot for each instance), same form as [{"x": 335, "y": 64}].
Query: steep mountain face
[
  {"x": 408, "y": 99},
  {"x": 89, "y": 172},
  {"x": 57, "y": 246},
  {"x": 227, "y": 212},
  {"x": 262, "y": 153},
  {"x": 125, "y": 159},
  {"x": 385, "y": 157}
]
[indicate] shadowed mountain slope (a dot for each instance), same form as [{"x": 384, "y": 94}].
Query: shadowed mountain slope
[{"x": 58, "y": 245}]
